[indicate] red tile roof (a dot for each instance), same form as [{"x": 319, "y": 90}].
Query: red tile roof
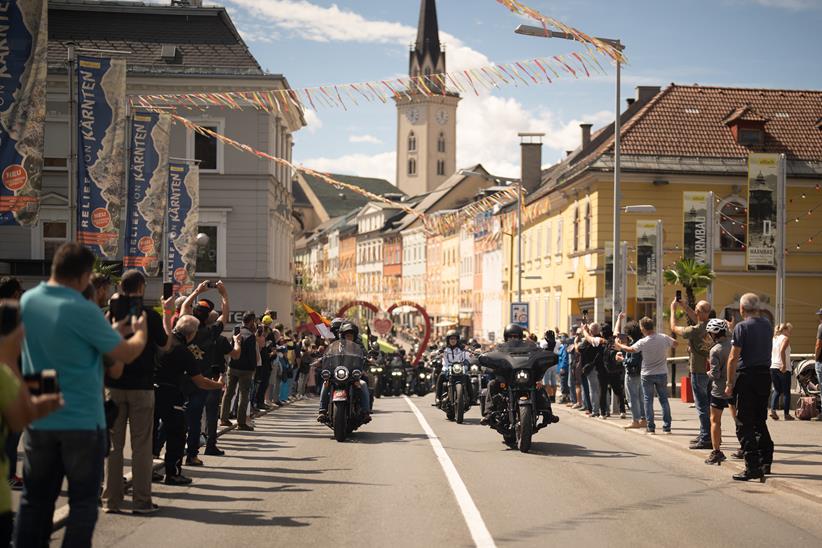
[{"x": 690, "y": 121}]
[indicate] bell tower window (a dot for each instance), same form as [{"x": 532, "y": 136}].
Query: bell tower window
[
  {"x": 441, "y": 143},
  {"x": 440, "y": 167},
  {"x": 412, "y": 166},
  {"x": 412, "y": 142}
]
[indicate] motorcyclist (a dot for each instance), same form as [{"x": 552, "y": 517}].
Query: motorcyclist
[
  {"x": 453, "y": 354},
  {"x": 514, "y": 342},
  {"x": 335, "y": 327},
  {"x": 348, "y": 332}
]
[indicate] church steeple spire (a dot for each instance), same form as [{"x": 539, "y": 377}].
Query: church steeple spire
[{"x": 427, "y": 52}]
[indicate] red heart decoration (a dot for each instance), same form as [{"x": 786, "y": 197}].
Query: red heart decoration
[{"x": 383, "y": 325}]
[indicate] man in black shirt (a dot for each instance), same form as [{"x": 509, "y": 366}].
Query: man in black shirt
[
  {"x": 133, "y": 393},
  {"x": 176, "y": 367},
  {"x": 750, "y": 382},
  {"x": 241, "y": 373},
  {"x": 223, "y": 346}
]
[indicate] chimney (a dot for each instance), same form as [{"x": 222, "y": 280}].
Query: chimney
[
  {"x": 586, "y": 134},
  {"x": 646, "y": 93},
  {"x": 630, "y": 101},
  {"x": 531, "y": 146}
]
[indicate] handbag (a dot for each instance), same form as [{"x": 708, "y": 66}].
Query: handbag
[{"x": 807, "y": 408}]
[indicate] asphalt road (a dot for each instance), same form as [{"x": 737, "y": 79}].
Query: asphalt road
[{"x": 289, "y": 484}]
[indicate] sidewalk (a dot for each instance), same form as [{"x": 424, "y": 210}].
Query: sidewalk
[{"x": 797, "y": 465}]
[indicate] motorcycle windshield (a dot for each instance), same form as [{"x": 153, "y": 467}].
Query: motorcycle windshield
[
  {"x": 344, "y": 354},
  {"x": 510, "y": 357}
]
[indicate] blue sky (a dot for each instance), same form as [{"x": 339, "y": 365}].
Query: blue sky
[{"x": 747, "y": 43}]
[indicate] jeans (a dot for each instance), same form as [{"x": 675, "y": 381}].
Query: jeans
[
  {"x": 616, "y": 383},
  {"x": 660, "y": 383},
  {"x": 818, "y": 367},
  {"x": 572, "y": 393},
  {"x": 242, "y": 380},
  {"x": 702, "y": 400},
  {"x": 781, "y": 390},
  {"x": 194, "y": 416},
  {"x": 212, "y": 408},
  {"x": 752, "y": 389},
  {"x": 594, "y": 392},
  {"x": 586, "y": 394},
  {"x": 135, "y": 408},
  {"x": 274, "y": 382},
  {"x": 634, "y": 384},
  {"x": 51, "y": 455}
]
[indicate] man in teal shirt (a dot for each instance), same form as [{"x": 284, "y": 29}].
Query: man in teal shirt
[{"x": 68, "y": 334}]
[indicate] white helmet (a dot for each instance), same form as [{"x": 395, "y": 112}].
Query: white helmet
[{"x": 717, "y": 326}]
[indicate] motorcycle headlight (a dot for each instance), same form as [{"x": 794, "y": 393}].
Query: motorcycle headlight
[
  {"x": 522, "y": 376},
  {"x": 356, "y": 374},
  {"x": 456, "y": 368},
  {"x": 373, "y": 369},
  {"x": 396, "y": 373},
  {"x": 422, "y": 375},
  {"x": 379, "y": 370},
  {"x": 326, "y": 374},
  {"x": 474, "y": 369},
  {"x": 428, "y": 376},
  {"x": 341, "y": 373}
]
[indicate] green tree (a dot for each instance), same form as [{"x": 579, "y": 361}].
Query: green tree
[{"x": 693, "y": 276}]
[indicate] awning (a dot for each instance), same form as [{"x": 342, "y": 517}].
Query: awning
[{"x": 445, "y": 323}]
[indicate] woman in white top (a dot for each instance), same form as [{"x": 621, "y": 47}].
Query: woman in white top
[{"x": 781, "y": 370}]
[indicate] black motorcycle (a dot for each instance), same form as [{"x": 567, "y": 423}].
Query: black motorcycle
[
  {"x": 519, "y": 403},
  {"x": 343, "y": 365},
  {"x": 422, "y": 384},
  {"x": 475, "y": 373},
  {"x": 457, "y": 398}
]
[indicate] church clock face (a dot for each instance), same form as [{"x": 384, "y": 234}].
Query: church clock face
[
  {"x": 413, "y": 115},
  {"x": 442, "y": 117}
]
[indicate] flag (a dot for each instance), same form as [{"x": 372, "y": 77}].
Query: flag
[
  {"x": 183, "y": 215},
  {"x": 323, "y": 326}
]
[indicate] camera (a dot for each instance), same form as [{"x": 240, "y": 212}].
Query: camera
[
  {"x": 121, "y": 306},
  {"x": 678, "y": 295},
  {"x": 211, "y": 285},
  {"x": 44, "y": 382}
]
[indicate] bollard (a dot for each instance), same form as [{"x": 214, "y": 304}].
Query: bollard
[{"x": 686, "y": 394}]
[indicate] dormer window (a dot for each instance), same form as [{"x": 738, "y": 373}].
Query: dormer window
[
  {"x": 751, "y": 137},
  {"x": 747, "y": 126}
]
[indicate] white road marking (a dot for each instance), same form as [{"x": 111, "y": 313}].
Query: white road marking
[{"x": 476, "y": 526}]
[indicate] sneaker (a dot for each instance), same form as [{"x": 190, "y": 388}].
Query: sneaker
[
  {"x": 739, "y": 454},
  {"x": 484, "y": 421},
  {"x": 750, "y": 475},
  {"x": 278, "y": 403},
  {"x": 576, "y": 406},
  {"x": 153, "y": 509},
  {"x": 226, "y": 423},
  {"x": 16, "y": 483},
  {"x": 213, "y": 451},
  {"x": 643, "y": 423},
  {"x": 245, "y": 428},
  {"x": 177, "y": 480},
  {"x": 622, "y": 415},
  {"x": 789, "y": 418},
  {"x": 701, "y": 445},
  {"x": 716, "y": 457},
  {"x": 108, "y": 510},
  {"x": 773, "y": 415},
  {"x": 322, "y": 417},
  {"x": 651, "y": 432},
  {"x": 193, "y": 461},
  {"x": 633, "y": 425}
]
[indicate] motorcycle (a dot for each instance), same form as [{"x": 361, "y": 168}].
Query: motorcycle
[
  {"x": 521, "y": 401},
  {"x": 457, "y": 398},
  {"x": 422, "y": 386},
  {"x": 475, "y": 373},
  {"x": 343, "y": 366},
  {"x": 375, "y": 368}
]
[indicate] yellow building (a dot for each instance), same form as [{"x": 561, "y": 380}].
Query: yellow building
[{"x": 683, "y": 138}]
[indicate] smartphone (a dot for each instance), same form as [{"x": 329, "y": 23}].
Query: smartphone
[
  {"x": 43, "y": 382},
  {"x": 122, "y": 306},
  {"x": 237, "y": 330},
  {"x": 585, "y": 315},
  {"x": 9, "y": 319},
  {"x": 168, "y": 290},
  {"x": 211, "y": 285},
  {"x": 678, "y": 295}
]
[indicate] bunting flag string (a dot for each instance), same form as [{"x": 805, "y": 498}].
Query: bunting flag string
[
  {"x": 549, "y": 22},
  {"x": 451, "y": 220},
  {"x": 531, "y": 72}
]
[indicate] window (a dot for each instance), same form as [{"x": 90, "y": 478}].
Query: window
[
  {"x": 412, "y": 166},
  {"x": 54, "y": 235},
  {"x": 558, "y": 248},
  {"x": 206, "y": 149},
  {"x": 576, "y": 229},
  {"x": 440, "y": 167},
  {"x": 751, "y": 137},
  {"x": 548, "y": 238},
  {"x": 733, "y": 226},
  {"x": 588, "y": 226},
  {"x": 412, "y": 142},
  {"x": 50, "y": 232},
  {"x": 211, "y": 258},
  {"x": 56, "y": 144},
  {"x": 441, "y": 143}
]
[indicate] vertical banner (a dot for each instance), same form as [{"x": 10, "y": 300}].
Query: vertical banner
[
  {"x": 609, "y": 274},
  {"x": 183, "y": 216},
  {"x": 695, "y": 240},
  {"x": 23, "y": 64},
  {"x": 763, "y": 183},
  {"x": 646, "y": 267},
  {"x": 147, "y": 191},
  {"x": 101, "y": 152}
]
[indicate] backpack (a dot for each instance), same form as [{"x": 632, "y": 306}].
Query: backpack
[{"x": 807, "y": 408}]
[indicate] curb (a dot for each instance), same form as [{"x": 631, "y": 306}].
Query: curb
[
  {"x": 735, "y": 466},
  {"x": 61, "y": 514}
]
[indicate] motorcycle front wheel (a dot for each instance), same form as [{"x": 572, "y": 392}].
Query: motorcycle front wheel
[
  {"x": 459, "y": 403},
  {"x": 525, "y": 428},
  {"x": 340, "y": 420}
]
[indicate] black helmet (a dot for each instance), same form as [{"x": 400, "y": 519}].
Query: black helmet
[
  {"x": 452, "y": 333},
  {"x": 513, "y": 331},
  {"x": 347, "y": 327},
  {"x": 335, "y": 326}
]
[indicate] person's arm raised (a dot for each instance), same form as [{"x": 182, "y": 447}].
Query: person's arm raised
[
  {"x": 188, "y": 305},
  {"x": 225, "y": 311}
]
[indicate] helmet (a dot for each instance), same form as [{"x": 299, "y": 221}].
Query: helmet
[
  {"x": 267, "y": 320},
  {"x": 717, "y": 326},
  {"x": 347, "y": 327},
  {"x": 513, "y": 331},
  {"x": 335, "y": 326},
  {"x": 452, "y": 333}
]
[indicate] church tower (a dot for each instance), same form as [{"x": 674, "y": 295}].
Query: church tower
[{"x": 426, "y": 126}]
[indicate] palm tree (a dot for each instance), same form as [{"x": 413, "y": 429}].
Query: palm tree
[{"x": 693, "y": 276}]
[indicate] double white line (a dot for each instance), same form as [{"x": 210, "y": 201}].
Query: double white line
[{"x": 476, "y": 526}]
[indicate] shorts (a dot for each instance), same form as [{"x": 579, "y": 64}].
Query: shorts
[
  {"x": 720, "y": 403},
  {"x": 550, "y": 378}
]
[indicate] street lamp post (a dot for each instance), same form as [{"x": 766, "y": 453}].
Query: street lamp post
[{"x": 617, "y": 298}]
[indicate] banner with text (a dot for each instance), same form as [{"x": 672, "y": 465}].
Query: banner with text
[
  {"x": 763, "y": 181},
  {"x": 695, "y": 240},
  {"x": 646, "y": 267},
  {"x": 101, "y": 152},
  {"x": 183, "y": 216},
  {"x": 147, "y": 191},
  {"x": 23, "y": 64}
]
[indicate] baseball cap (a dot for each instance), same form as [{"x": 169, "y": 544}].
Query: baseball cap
[
  {"x": 267, "y": 320},
  {"x": 203, "y": 308}
]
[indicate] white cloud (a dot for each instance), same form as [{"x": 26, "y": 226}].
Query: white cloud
[
  {"x": 312, "y": 121},
  {"x": 789, "y": 4},
  {"x": 382, "y": 165},
  {"x": 334, "y": 24},
  {"x": 370, "y": 139}
]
